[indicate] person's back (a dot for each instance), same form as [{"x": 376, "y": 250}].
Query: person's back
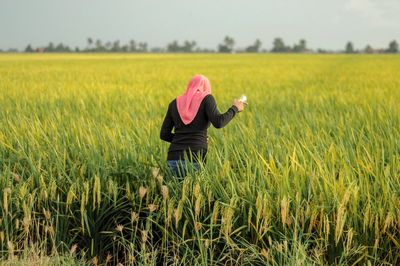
[{"x": 190, "y": 115}]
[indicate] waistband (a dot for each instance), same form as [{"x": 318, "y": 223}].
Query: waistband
[{"x": 198, "y": 155}]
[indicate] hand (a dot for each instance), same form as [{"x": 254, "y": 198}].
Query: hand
[{"x": 239, "y": 105}]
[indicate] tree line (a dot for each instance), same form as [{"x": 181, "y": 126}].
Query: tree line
[{"x": 190, "y": 46}]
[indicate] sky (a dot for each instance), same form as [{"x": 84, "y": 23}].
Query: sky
[{"x": 324, "y": 24}]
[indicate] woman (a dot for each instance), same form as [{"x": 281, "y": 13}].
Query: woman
[{"x": 190, "y": 115}]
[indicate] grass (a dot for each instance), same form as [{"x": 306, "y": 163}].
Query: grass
[{"x": 307, "y": 174}]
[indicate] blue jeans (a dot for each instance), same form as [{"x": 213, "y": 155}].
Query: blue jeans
[{"x": 180, "y": 167}]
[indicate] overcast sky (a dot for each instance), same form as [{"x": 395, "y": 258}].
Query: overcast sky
[{"x": 324, "y": 24}]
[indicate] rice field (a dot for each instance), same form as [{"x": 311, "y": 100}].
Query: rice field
[{"x": 308, "y": 174}]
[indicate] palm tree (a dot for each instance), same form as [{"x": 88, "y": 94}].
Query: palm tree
[{"x": 90, "y": 42}]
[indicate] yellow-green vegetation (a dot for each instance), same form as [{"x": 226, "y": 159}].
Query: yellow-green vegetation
[{"x": 308, "y": 173}]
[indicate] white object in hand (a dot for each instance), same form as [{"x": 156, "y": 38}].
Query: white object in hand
[{"x": 243, "y": 99}]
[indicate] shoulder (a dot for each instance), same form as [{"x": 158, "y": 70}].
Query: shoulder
[
  {"x": 172, "y": 103},
  {"x": 172, "y": 106},
  {"x": 209, "y": 99}
]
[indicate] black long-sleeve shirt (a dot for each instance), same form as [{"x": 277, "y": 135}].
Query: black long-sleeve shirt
[{"x": 193, "y": 136}]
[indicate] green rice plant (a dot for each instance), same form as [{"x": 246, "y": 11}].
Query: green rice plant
[{"x": 307, "y": 174}]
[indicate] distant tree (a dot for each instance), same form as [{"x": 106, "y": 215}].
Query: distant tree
[
  {"x": 132, "y": 46},
  {"x": 393, "y": 47},
  {"x": 125, "y": 48},
  {"x": 278, "y": 46},
  {"x": 50, "y": 48},
  {"x": 204, "y": 50},
  {"x": 349, "y": 48},
  {"x": 303, "y": 44},
  {"x": 188, "y": 46},
  {"x": 99, "y": 46},
  {"x": 157, "y": 50},
  {"x": 29, "y": 49},
  {"x": 368, "y": 49},
  {"x": 301, "y": 47},
  {"x": 255, "y": 48},
  {"x": 90, "y": 42},
  {"x": 108, "y": 46},
  {"x": 59, "y": 48},
  {"x": 143, "y": 47},
  {"x": 173, "y": 47},
  {"x": 116, "y": 46},
  {"x": 77, "y": 50},
  {"x": 227, "y": 45}
]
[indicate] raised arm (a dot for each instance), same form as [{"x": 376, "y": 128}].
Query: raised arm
[
  {"x": 166, "y": 128},
  {"x": 216, "y": 118}
]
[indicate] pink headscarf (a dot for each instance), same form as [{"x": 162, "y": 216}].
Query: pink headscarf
[{"x": 188, "y": 104}]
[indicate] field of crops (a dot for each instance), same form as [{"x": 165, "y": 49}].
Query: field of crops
[{"x": 309, "y": 173}]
